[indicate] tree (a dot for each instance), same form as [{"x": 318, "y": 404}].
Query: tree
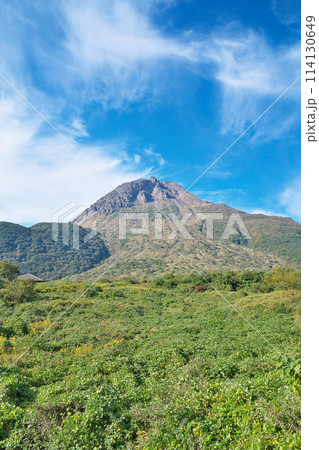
[{"x": 8, "y": 270}]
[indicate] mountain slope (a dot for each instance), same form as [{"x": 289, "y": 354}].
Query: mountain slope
[
  {"x": 34, "y": 250},
  {"x": 141, "y": 194},
  {"x": 274, "y": 240}
]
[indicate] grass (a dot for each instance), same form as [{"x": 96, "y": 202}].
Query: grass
[{"x": 147, "y": 366}]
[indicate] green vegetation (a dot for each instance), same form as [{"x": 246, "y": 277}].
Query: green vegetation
[
  {"x": 248, "y": 281},
  {"x": 153, "y": 365},
  {"x": 14, "y": 291},
  {"x": 280, "y": 235},
  {"x": 34, "y": 250},
  {"x": 275, "y": 241},
  {"x": 18, "y": 291},
  {"x": 8, "y": 270}
]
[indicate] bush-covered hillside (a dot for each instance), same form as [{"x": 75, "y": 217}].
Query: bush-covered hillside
[
  {"x": 128, "y": 365},
  {"x": 34, "y": 250},
  {"x": 281, "y": 237}
]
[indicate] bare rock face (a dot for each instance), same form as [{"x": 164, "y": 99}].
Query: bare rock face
[
  {"x": 145, "y": 197},
  {"x": 139, "y": 193}
]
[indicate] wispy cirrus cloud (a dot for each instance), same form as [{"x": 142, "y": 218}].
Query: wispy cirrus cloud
[
  {"x": 125, "y": 57},
  {"x": 114, "y": 54},
  {"x": 115, "y": 50},
  {"x": 40, "y": 172},
  {"x": 251, "y": 74},
  {"x": 76, "y": 58},
  {"x": 150, "y": 151}
]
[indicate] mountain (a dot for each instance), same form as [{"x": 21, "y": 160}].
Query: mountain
[
  {"x": 141, "y": 195},
  {"x": 160, "y": 248},
  {"x": 34, "y": 250},
  {"x": 275, "y": 241}
]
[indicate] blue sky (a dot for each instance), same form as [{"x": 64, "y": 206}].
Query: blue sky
[{"x": 145, "y": 88}]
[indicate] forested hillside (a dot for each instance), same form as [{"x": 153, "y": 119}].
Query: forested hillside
[{"x": 34, "y": 250}]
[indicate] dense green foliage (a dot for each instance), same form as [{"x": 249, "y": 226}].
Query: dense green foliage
[
  {"x": 34, "y": 250},
  {"x": 8, "y": 270},
  {"x": 153, "y": 365},
  {"x": 246, "y": 282},
  {"x": 18, "y": 291},
  {"x": 12, "y": 290}
]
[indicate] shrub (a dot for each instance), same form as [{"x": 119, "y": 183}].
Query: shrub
[
  {"x": 18, "y": 291},
  {"x": 167, "y": 281},
  {"x": 156, "y": 368},
  {"x": 286, "y": 278},
  {"x": 93, "y": 291},
  {"x": 128, "y": 280},
  {"x": 14, "y": 326},
  {"x": 233, "y": 281},
  {"x": 16, "y": 389}
]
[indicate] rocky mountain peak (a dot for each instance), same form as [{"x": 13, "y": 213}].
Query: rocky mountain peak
[{"x": 140, "y": 193}]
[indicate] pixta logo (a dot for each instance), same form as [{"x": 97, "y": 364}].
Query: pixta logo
[
  {"x": 235, "y": 225},
  {"x": 68, "y": 232}
]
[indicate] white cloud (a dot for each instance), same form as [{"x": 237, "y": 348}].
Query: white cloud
[
  {"x": 117, "y": 53},
  {"x": 151, "y": 152},
  {"x": 247, "y": 62},
  {"x": 252, "y": 74},
  {"x": 40, "y": 172},
  {"x": 116, "y": 35},
  {"x": 111, "y": 52},
  {"x": 290, "y": 198},
  {"x": 79, "y": 128},
  {"x": 117, "y": 50}
]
